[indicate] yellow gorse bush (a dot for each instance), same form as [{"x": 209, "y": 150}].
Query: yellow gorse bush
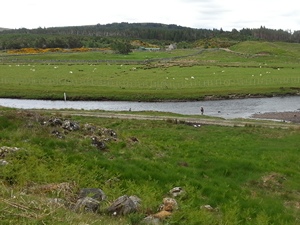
[{"x": 46, "y": 50}]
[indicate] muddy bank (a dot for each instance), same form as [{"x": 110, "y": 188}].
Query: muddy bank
[{"x": 293, "y": 117}]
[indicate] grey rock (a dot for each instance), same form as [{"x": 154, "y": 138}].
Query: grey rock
[
  {"x": 87, "y": 204},
  {"x": 136, "y": 200},
  {"x": 176, "y": 191},
  {"x": 55, "y": 122},
  {"x": 123, "y": 206},
  {"x": 99, "y": 144},
  {"x": 58, "y": 134},
  {"x": 3, "y": 162},
  {"x": 70, "y": 125},
  {"x": 107, "y": 133},
  {"x": 151, "y": 220},
  {"x": 94, "y": 193}
]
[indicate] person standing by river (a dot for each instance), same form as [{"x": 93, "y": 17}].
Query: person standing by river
[{"x": 202, "y": 110}]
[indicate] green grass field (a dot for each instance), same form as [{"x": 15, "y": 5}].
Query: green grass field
[
  {"x": 249, "y": 175},
  {"x": 183, "y": 75}
]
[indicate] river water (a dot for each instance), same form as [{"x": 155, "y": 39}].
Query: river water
[{"x": 228, "y": 109}]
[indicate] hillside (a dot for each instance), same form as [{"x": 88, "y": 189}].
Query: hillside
[
  {"x": 157, "y": 32},
  {"x": 2, "y": 29}
]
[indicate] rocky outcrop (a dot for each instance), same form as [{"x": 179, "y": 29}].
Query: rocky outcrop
[{"x": 99, "y": 135}]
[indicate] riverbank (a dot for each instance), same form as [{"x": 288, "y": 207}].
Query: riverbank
[{"x": 293, "y": 117}]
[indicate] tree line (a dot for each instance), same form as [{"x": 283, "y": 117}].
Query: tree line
[{"x": 103, "y": 36}]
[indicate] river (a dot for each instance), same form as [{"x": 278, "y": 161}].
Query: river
[{"x": 228, "y": 109}]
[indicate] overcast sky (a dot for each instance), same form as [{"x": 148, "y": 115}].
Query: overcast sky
[{"x": 210, "y": 14}]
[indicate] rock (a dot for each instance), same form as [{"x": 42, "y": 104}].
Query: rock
[
  {"x": 3, "y": 162},
  {"x": 162, "y": 214},
  {"x": 123, "y": 206},
  {"x": 176, "y": 191},
  {"x": 136, "y": 200},
  {"x": 70, "y": 125},
  {"x": 4, "y": 151},
  {"x": 58, "y": 134},
  {"x": 133, "y": 139},
  {"x": 87, "y": 204},
  {"x": 151, "y": 220},
  {"x": 107, "y": 133},
  {"x": 208, "y": 208},
  {"x": 169, "y": 204},
  {"x": 99, "y": 144},
  {"x": 89, "y": 127},
  {"x": 55, "y": 122},
  {"x": 94, "y": 193}
]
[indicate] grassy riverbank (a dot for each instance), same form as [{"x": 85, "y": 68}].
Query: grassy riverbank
[
  {"x": 247, "y": 69},
  {"x": 248, "y": 175}
]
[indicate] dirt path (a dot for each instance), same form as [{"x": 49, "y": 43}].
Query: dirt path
[{"x": 189, "y": 120}]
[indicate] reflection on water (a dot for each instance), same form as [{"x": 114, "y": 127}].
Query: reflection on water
[{"x": 235, "y": 108}]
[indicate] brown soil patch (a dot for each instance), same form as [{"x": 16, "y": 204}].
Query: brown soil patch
[{"x": 293, "y": 117}]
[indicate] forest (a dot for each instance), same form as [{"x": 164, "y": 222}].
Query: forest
[{"x": 104, "y": 36}]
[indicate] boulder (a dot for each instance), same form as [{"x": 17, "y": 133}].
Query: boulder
[
  {"x": 94, "y": 193},
  {"x": 124, "y": 205},
  {"x": 169, "y": 205},
  {"x": 70, "y": 125},
  {"x": 87, "y": 204},
  {"x": 151, "y": 220},
  {"x": 106, "y": 132},
  {"x": 55, "y": 122},
  {"x": 98, "y": 144},
  {"x": 176, "y": 191},
  {"x": 136, "y": 200}
]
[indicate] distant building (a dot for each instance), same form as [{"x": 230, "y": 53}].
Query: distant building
[{"x": 171, "y": 47}]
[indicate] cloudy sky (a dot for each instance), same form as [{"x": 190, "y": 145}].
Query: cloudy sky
[{"x": 225, "y": 14}]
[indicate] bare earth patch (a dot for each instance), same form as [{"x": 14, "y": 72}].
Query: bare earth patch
[{"x": 293, "y": 117}]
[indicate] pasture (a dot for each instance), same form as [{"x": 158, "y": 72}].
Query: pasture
[{"x": 193, "y": 74}]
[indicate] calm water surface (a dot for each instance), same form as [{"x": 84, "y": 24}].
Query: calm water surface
[{"x": 235, "y": 108}]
